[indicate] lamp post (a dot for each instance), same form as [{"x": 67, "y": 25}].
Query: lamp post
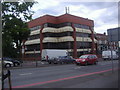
[{"x": 112, "y": 56}]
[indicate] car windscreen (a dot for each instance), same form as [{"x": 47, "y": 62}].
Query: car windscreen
[
  {"x": 84, "y": 56},
  {"x": 7, "y": 58}
]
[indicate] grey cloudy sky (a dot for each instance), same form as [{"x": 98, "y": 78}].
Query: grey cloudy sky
[{"x": 104, "y": 14}]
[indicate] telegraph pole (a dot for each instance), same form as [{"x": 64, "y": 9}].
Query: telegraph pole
[
  {"x": 119, "y": 33},
  {"x": 1, "y": 66}
]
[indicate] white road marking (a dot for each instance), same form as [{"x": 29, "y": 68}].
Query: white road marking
[
  {"x": 104, "y": 64},
  {"x": 42, "y": 63},
  {"x": 25, "y": 74},
  {"x": 77, "y": 68}
]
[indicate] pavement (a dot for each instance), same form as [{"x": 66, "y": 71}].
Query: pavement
[{"x": 66, "y": 76}]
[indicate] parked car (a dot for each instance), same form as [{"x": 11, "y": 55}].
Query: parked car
[
  {"x": 15, "y": 62},
  {"x": 6, "y": 63},
  {"x": 87, "y": 59},
  {"x": 107, "y": 55},
  {"x": 62, "y": 60}
]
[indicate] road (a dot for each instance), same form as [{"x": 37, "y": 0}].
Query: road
[{"x": 66, "y": 76}]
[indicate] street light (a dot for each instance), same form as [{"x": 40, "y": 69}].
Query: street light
[{"x": 112, "y": 56}]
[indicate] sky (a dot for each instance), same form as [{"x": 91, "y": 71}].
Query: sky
[{"x": 104, "y": 14}]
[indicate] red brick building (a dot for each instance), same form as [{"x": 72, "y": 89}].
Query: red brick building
[
  {"x": 67, "y": 32},
  {"x": 102, "y": 42}
]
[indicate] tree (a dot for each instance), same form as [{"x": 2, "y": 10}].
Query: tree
[{"x": 15, "y": 29}]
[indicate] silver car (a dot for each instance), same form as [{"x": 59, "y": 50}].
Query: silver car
[{"x": 6, "y": 63}]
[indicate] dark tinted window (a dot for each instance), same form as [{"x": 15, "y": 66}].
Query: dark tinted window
[
  {"x": 81, "y": 45},
  {"x": 35, "y": 28},
  {"x": 81, "y": 26},
  {"x": 60, "y": 45},
  {"x": 58, "y": 34},
  {"x": 33, "y": 47},
  {"x": 62, "y": 56},
  {"x": 34, "y": 37},
  {"x": 95, "y": 56},
  {"x": 57, "y": 25},
  {"x": 90, "y": 56},
  {"x": 78, "y": 34}
]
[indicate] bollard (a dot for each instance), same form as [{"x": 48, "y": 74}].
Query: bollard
[
  {"x": 8, "y": 75},
  {"x": 9, "y": 80}
]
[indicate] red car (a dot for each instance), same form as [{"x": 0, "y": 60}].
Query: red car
[{"x": 87, "y": 59}]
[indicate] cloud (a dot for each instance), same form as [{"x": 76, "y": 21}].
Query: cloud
[
  {"x": 44, "y": 4},
  {"x": 104, "y": 14},
  {"x": 103, "y": 28}
]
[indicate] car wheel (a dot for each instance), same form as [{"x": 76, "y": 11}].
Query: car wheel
[
  {"x": 86, "y": 64},
  {"x": 55, "y": 62},
  {"x": 73, "y": 62},
  {"x": 95, "y": 63},
  {"x": 60, "y": 63},
  {"x": 104, "y": 59},
  {"x": 77, "y": 64},
  {"x": 8, "y": 65},
  {"x": 16, "y": 64},
  {"x": 67, "y": 63},
  {"x": 49, "y": 62}
]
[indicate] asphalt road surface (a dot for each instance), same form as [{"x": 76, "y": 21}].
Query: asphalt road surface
[{"x": 66, "y": 76}]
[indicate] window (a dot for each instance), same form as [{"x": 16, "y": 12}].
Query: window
[
  {"x": 58, "y": 34},
  {"x": 95, "y": 56},
  {"x": 60, "y": 45},
  {"x": 34, "y": 37},
  {"x": 90, "y": 56},
  {"x": 57, "y": 25},
  {"x": 81, "y": 45},
  {"x": 33, "y": 55},
  {"x": 45, "y": 25},
  {"x": 84, "y": 56},
  {"x": 35, "y": 28},
  {"x": 81, "y": 26},
  {"x": 63, "y": 24},
  {"x": 78, "y": 34},
  {"x": 100, "y": 42},
  {"x": 32, "y": 47}
]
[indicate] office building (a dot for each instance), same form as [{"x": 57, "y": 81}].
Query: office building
[{"x": 67, "y": 32}]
